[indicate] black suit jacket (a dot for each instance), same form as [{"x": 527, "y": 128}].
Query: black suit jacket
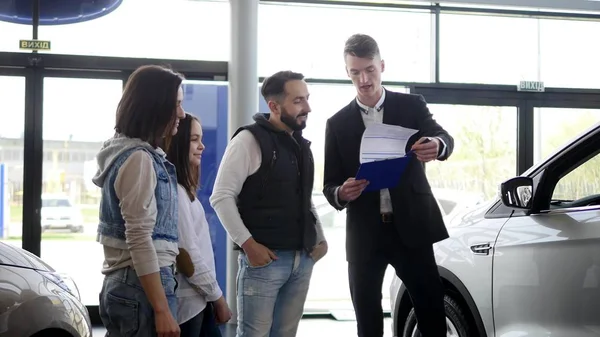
[{"x": 417, "y": 216}]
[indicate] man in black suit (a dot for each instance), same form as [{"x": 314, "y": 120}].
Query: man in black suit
[{"x": 396, "y": 226}]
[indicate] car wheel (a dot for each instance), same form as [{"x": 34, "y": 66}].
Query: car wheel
[{"x": 456, "y": 321}]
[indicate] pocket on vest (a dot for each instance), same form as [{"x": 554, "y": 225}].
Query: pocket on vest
[{"x": 162, "y": 183}]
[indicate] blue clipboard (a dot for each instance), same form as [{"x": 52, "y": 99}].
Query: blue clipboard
[{"x": 382, "y": 174}]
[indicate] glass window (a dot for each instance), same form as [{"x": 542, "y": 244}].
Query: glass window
[
  {"x": 11, "y": 34},
  {"x": 316, "y": 48},
  {"x": 566, "y": 61},
  {"x": 488, "y": 49},
  {"x": 329, "y": 289},
  {"x": 169, "y": 29},
  {"x": 79, "y": 114},
  {"x": 484, "y": 153},
  {"x": 12, "y": 123},
  {"x": 555, "y": 127},
  {"x": 582, "y": 182}
]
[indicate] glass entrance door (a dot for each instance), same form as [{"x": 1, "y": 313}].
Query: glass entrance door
[
  {"x": 78, "y": 116},
  {"x": 12, "y": 130}
]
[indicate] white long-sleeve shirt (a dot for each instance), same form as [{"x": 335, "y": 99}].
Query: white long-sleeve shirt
[
  {"x": 194, "y": 236},
  {"x": 241, "y": 159}
]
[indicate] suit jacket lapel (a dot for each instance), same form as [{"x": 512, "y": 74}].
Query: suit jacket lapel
[
  {"x": 391, "y": 113},
  {"x": 355, "y": 122},
  {"x": 355, "y": 129}
]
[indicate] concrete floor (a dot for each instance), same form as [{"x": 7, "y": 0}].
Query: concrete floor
[{"x": 309, "y": 327}]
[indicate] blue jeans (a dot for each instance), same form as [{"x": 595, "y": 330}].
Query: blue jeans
[
  {"x": 124, "y": 308},
  {"x": 209, "y": 323},
  {"x": 270, "y": 298},
  {"x": 193, "y": 327}
]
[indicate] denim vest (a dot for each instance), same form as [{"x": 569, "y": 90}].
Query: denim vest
[{"x": 111, "y": 221}]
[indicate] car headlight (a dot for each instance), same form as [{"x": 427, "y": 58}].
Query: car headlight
[{"x": 64, "y": 281}]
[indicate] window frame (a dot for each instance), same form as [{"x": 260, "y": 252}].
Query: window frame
[{"x": 568, "y": 161}]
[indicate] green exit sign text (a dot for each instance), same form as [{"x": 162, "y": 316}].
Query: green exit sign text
[{"x": 34, "y": 45}]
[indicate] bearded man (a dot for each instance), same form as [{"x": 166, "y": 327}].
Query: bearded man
[{"x": 263, "y": 197}]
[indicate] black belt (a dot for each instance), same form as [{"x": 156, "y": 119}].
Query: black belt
[{"x": 387, "y": 217}]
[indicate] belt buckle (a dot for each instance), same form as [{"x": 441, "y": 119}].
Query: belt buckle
[{"x": 387, "y": 217}]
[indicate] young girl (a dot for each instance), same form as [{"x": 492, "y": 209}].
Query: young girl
[
  {"x": 198, "y": 292},
  {"x": 138, "y": 208}
]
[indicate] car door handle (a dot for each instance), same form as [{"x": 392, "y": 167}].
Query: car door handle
[{"x": 481, "y": 248}]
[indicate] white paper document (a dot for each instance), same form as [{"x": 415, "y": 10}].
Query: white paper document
[{"x": 384, "y": 141}]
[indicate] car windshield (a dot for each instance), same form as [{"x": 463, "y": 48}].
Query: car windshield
[{"x": 55, "y": 203}]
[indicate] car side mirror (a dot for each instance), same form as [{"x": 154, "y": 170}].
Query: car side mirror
[{"x": 517, "y": 192}]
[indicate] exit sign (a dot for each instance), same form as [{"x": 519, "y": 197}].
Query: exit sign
[
  {"x": 536, "y": 86},
  {"x": 34, "y": 44}
]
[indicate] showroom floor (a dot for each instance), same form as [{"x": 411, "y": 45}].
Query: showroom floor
[{"x": 309, "y": 327}]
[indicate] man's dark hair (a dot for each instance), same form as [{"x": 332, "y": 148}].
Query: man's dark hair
[
  {"x": 273, "y": 87},
  {"x": 361, "y": 45},
  {"x": 148, "y": 107},
  {"x": 179, "y": 155}
]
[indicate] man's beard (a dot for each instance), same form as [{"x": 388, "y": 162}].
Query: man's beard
[{"x": 292, "y": 122}]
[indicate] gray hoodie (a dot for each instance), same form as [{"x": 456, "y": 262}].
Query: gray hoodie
[{"x": 111, "y": 149}]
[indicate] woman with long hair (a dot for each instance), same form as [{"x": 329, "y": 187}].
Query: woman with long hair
[
  {"x": 201, "y": 301},
  {"x": 138, "y": 208}
]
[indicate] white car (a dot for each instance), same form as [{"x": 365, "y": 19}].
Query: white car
[
  {"x": 36, "y": 301},
  {"x": 58, "y": 212},
  {"x": 528, "y": 262}
]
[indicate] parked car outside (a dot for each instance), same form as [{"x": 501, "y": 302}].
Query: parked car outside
[
  {"x": 58, "y": 212},
  {"x": 526, "y": 263}
]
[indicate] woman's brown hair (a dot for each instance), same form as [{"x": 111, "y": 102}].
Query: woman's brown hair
[{"x": 148, "y": 107}]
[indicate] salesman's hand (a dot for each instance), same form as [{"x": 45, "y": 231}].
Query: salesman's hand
[
  {"x": 258, "y": 255},
  {"x": 351, "y": 189},
  {"x": 319, "y": 251},
  {"x": 426, "y": 149}
]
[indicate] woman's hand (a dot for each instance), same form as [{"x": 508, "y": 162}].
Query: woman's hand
[{"x": 166, "y": 325}]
